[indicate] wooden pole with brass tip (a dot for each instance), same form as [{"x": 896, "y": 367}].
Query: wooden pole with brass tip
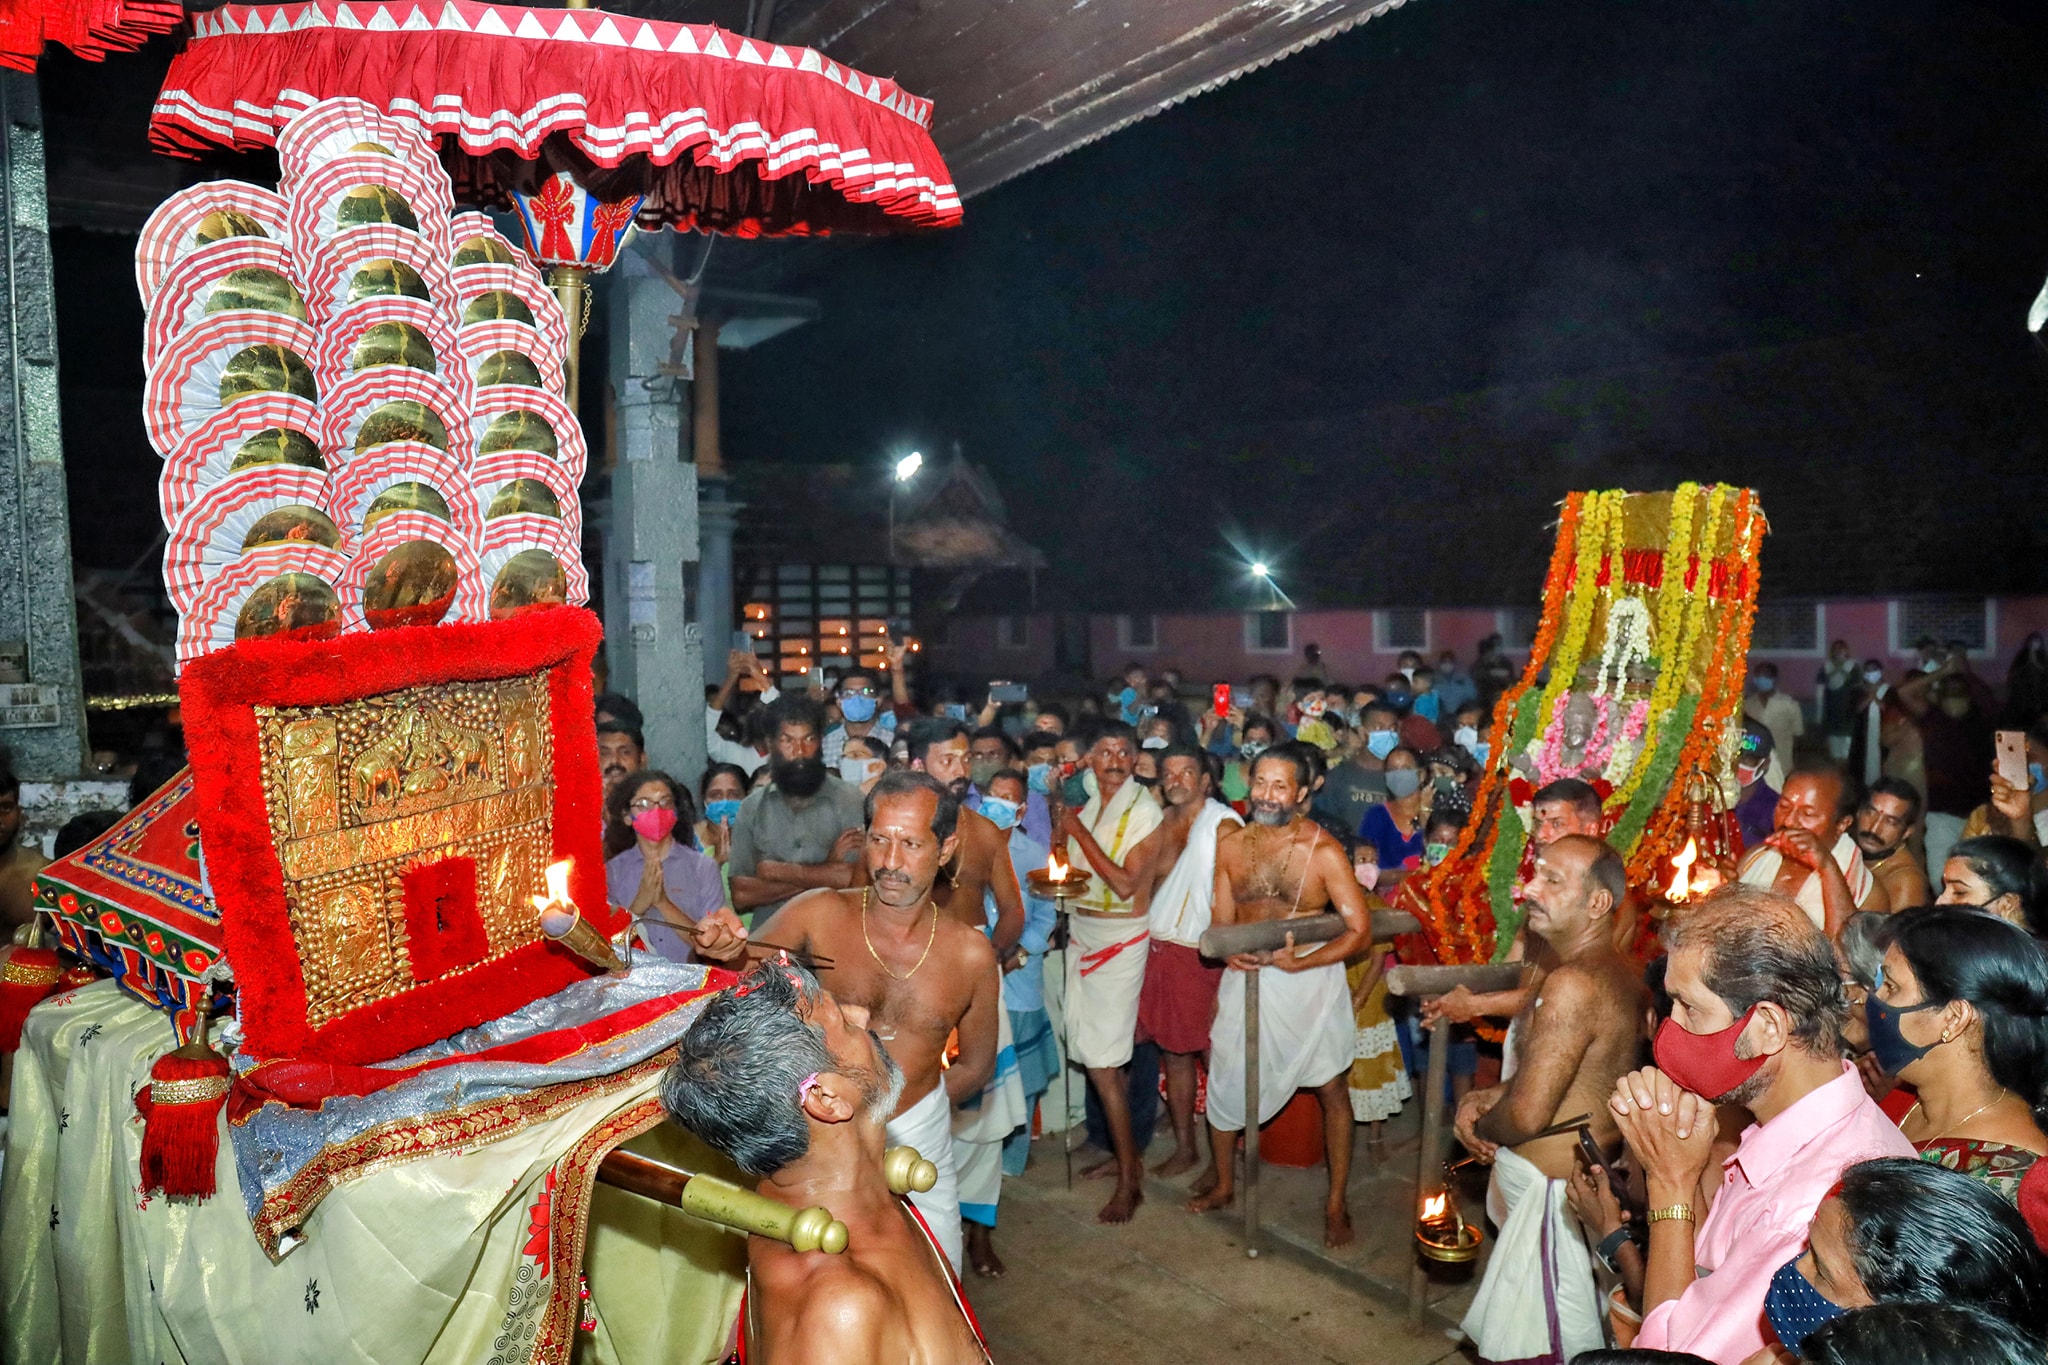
[
  {"x": 571, "y": 284},
  {"x": 719, "y": 1201}
]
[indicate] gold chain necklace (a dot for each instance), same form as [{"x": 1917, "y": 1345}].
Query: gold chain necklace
[
  {"x": 1995, "y": 1099},
  {"x": 1266, "y": 883},
  {"x": 930, "y": 938}
]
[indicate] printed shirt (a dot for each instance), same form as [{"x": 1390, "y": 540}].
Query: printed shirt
[
  {"x": 1770, "y": 1188},
  {"x": 1118, "y": 826}
]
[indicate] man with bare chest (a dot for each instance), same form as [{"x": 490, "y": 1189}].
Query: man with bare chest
[
  {"x": 919, "y": 973},
  {"x": 795, "y": 1089},
  {"x": 1282, "y": 866},
  {"x": 1576, "y": 1037},
  {"x": 939, "y": 749}
]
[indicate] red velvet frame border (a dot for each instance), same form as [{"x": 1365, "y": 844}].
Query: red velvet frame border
[{"x": 219, "y": 694}]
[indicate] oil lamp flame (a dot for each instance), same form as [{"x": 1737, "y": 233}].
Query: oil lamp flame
[
  {"x": 1055, "y": 870},
  {"x": 1681, "y": 866},
  {"x": 561, "y": 921},
  {"x": 1433, "y": 1208}
]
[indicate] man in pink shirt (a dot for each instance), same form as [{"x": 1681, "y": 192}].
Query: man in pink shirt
[{"x": 1756, "y": 1022}]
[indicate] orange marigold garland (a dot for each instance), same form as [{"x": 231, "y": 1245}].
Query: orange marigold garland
[{"x": 1704, "y": 605}]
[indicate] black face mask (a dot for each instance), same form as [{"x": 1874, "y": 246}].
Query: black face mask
[{"x": 803, "y": 777}]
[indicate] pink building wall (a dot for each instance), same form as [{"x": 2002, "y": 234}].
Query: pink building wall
[{"x": 1210, "y": 647}]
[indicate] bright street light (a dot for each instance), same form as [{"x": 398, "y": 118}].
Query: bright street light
[
  {"x": 909, "y": 465},
  {"x": 1260, "y": 571}
]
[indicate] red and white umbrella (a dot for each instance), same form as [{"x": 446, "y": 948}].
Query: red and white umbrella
[{"x": 585, "y": 122}]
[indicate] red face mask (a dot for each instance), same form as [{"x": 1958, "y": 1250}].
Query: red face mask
[
  {"x": 654, "y": 825},
  {"x": 1705, "y": 1063}
]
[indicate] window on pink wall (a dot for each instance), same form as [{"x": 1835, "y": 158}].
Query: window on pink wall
[
  {"x": 1137, "y": 632},
  {"x": 1973, "y": 620},
  {"x": 1517, "y": 626},
  {"x": 1013, "y": 632},
  {"x": 1398, "y": 628},
  {"x": 1789, "y": 625},
  {"x": 1268, "y": 632}
]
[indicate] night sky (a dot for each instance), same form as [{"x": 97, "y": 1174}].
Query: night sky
[{"x": 1372, "y": 310}]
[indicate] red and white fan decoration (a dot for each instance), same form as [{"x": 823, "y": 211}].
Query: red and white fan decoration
[{"x": 320, "y": 382}]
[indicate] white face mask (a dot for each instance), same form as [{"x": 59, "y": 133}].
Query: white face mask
[
  {"x": 1466, "y": 737},
  {"x": 857, "y": 770},
  {"x": 1873, "y": 676}
]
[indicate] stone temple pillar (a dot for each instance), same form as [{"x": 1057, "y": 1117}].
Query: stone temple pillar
[
  {"x": 42, "y": 716},
  {"x": 653, "y": 645},
  {"x": 716, "y": 515}
]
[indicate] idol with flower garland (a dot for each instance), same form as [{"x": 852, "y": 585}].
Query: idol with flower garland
[{"x": 1633, "y": 685}]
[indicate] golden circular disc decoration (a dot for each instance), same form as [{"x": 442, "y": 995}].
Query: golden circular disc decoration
[
  {"x": 412, "y": 585},
  {"x": 290, "y": 601},
  {"x": 410, "y": 496},
  {"x": 384, "y": 276},
  {"x": 222, "y": 224},
  {"x": 508, "y": 367},
  {"x": 524, "y": 495},
  {"x": 497, "y": 305},
  {"x": 377, "y": 148},
  {"x": 254, "y": 287},
  {"x": 483, "y": 251},
  {"x": 374, "y": 204},
  {"x": 402, "y": 419},
  {"x": 519, "y": 430},
  {"x": 394, "y": 343},
  {"x": 277, "y": 445},
  {"x": 294, "y": 522},
  {"x": 267, "y": 369},
  {"x": 531, "y": 578}
]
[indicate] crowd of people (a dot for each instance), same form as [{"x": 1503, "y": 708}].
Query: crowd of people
[{"x": 1798, "y": 1119}]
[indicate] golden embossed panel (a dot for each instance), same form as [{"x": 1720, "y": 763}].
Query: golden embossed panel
[{"x": 359, "y": 791}]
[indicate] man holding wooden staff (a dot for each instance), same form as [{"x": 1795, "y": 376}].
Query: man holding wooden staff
[{"x": 1283, "y": 866}]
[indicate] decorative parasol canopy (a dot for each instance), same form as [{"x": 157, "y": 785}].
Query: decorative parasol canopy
[
  {"x": 708, "y": 129},
  {"x": 90, "y": 28}
]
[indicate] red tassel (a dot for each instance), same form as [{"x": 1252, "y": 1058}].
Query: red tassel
[
  {"x": 180, "y": 1110},
  {"x": 27, "y": 975}
]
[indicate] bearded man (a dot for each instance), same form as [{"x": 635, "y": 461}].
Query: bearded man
[
  {"x": 796, "y": 1089},
  {"x": 921, "y": 974},
  {"x": 802, "y": 832},
  {"x": 1884, "y": 822},
  {"x": 1281, "y": 866},
  {"x": 940, "y": 748}
]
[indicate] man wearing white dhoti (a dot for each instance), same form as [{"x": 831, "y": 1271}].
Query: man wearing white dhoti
[
  {"x": 1811, "y": 855},
  {"x": 920, "y": 974},
  {"x": 1282, "y": 866},
  {"x": 1106, "y": 942},
  {"x": 1581, "y": 1032}
]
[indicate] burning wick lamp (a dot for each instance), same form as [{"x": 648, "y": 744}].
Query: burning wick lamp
[
  {"x": 1442, "y": 1232},
  {"x": 561, "y": 921},
  {"x": 1057, "y": 881}
]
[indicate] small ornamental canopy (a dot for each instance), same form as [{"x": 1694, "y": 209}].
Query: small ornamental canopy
[
  {"x": 90, "y": 28},
  {"x": 718, "y": 132}
]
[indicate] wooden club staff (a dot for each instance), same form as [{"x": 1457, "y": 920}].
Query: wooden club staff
[{"x": 1425, "y": 983}]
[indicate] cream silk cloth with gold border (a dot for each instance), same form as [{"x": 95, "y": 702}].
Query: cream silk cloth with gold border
[{"x": 468, "y": 1256}]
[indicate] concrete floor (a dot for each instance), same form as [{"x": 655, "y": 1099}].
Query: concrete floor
[{"x": 1173, "y": 1287}]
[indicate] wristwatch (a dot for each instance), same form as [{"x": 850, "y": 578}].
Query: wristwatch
[
  {"x": 1683, "y": 1211},
  {"x": 1610, "y": 1244}
]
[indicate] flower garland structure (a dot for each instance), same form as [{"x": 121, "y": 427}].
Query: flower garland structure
[{"x": 1659, "y": 581}]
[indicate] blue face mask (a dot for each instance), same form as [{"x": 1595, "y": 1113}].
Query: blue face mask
[
  {"x": 2038, "y": 775},
  {"x": 1002, "y": 814},
  {"x": 721, "y": 812},
  {"x": 1480, "y": 751},
  {"x": 1380, "y": 743},
  {"x": 1764, "y": 684},
  {"x": 1039, "y": 777},
  {"x": 1074, "y": 791},
  {"x": 1795, "y": 1308},
  {"x": 1889, "y": 1047},
  {"x": 857, "y": 709}
]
